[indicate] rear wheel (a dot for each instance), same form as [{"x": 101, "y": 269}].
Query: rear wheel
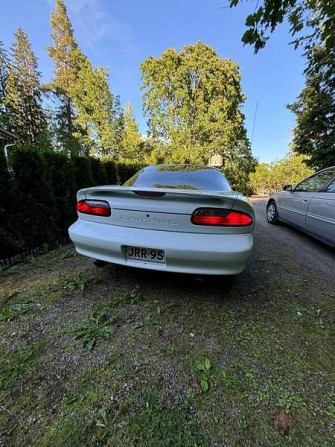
[{"x": 272, "y": 213}]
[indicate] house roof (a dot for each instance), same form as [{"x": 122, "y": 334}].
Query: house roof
[{"x": 7, "y": 136}]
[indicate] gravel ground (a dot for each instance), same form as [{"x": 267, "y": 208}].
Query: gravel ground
[{"x": 124, "y": 357}]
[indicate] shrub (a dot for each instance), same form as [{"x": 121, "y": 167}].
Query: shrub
[
  {"x": 33, "y": 206},
  {"x": 98, "y": 172}
]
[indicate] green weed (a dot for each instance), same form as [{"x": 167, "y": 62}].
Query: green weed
[{"x": 99, "y": 327}]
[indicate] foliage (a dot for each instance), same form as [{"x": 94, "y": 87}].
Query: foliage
[
  {"x": 62, "y": 182},
  {"x": 111, "y": 171},
  {"x": 33, "y": 204},
  {"x": 313, "y": 18},
  {"x": 93, "y": 101},
  {"x": 193, "y": 101},
  {"x": 100, "y": 326},
  {"x": 126, "y": 171},
  {"x": 23, "y": 96},
  {"x": 82, "y": 172},
  {"x": 269, "y": 178},
  {"x": 204, "y": 369},
  {"x": 39, "y": 194},
  {"x": 4, "y": 68},
  {"x": 130, "y": 145},
  {"x": 99, "y": 172},
  {"x": 66, "y": 56},
  {"x": 314, "y": 134}
]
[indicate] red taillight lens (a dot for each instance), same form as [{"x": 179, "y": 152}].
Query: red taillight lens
[
  {"x": 95, "y": 207},
  {"x": 221, "y": 217}
]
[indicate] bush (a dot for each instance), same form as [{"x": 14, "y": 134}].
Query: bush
[
  {"x": 82, "y": 169},
  {"x": 112, "y": 172},
  {"x": 98, "y": 172},
  {"x": 38, "y": 197},
  {"x": 61, "y": 176},
  {"x": 33, "y": 205},
  {"x": 126, "y": 171},
  {"x": 7, "y": 239}
]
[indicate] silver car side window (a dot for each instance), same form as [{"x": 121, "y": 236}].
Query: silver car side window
[
  {"x": 315, "y": 183},
  {"x": 331, "y": 187}
]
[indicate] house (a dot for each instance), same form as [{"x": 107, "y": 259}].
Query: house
[{"x": 6, "y": 138}]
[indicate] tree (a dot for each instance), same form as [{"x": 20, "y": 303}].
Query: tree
[
  {"x": 269, "y": 178},
  {"x": 67, "y": 58},
  {"x": 193, "y": 101},
  {"x": 130, "y": 145},
  {"x": 94, "y": 104},
  {"x": 314, "y": 133},
  {"x": 23, "y": 95},
  {"x": 4, "y": 69},
  {"x": 315, "y": 19}
]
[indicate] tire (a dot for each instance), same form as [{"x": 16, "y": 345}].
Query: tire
[{"x": 272, "y": 213}]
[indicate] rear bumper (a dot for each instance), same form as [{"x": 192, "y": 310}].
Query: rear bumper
[{"x": 211, "y": 254}]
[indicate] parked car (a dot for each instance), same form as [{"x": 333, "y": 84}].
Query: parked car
[
  {"x": 177, "y": 218},
  {"x": 309, "y": 206}
]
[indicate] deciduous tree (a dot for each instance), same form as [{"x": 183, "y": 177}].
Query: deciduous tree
[
  {"x": 314, "y": 133},
  {"x": 130, "y": 147},
  {"x": 193, "y": 102},
  {"x": 313, "y": 19}
]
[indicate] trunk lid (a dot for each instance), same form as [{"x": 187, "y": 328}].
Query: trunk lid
[{"x": 166, "y": 210}]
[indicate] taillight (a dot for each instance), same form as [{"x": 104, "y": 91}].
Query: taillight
[
  {"x": 221, "y": 217},
  {"x": 95, "y": 207}
]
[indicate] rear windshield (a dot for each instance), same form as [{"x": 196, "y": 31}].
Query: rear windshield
[{"x": 180, "y": 177}]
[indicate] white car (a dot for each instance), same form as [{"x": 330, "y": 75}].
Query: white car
[{"x": 176, "y": 218}]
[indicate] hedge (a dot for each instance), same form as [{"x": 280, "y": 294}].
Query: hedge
[{"x": 38, "y": 194}]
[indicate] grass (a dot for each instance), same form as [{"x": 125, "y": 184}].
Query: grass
[{"x": 122, "y": 357}]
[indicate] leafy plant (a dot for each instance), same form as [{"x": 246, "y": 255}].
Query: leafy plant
[
  {"x": 204, "y": 368},
  {"x": 17, "y": 309},
  {"x": 99, "y": 327},
  {"x": 6, "y": 271},
  {"x": 131, "y": 297},
  {"x": 78, "y": 281}
]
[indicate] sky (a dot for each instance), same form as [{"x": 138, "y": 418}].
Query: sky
[{"x": 120, "y": 34}]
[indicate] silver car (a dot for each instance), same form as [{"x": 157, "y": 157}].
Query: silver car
[
  {"x": 309, "y": 206},
  {"x": 175, "y": 218}
]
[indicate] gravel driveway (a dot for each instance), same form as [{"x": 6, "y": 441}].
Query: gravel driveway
[{"x": 123, "y": 357}]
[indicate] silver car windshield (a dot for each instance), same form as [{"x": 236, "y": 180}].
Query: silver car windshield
[{"x": 187, "y": 177}]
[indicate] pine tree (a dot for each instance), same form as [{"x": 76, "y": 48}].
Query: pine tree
[
  {"x": 4, "y": 68},
  {"x": 130, "y": 150},
  {"x": 23, "y": 95},
  {"x": 67, "y": 57}
]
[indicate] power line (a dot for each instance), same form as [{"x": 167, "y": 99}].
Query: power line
[{"x": 253, "y": 127}]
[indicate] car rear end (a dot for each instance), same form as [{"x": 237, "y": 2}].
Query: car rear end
[{"x": 176, "y": 230}]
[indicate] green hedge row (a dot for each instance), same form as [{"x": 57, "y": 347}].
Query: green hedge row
[{"x": 38, "y": 194}]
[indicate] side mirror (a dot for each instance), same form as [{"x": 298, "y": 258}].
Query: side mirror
[{"x": 287, "y": 188}]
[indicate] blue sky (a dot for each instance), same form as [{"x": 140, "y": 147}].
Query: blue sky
[{"x": 121, "y": 34}]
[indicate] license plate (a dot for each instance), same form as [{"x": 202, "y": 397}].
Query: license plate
[{"x": 145, "y": 254}]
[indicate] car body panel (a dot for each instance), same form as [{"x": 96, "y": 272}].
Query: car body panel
[
  {"x": 214, "y": 254},
  {"x": 293, "y": 206},
  {"x": 320, "y": 219}
]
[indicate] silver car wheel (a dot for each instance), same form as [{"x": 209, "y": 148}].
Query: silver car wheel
[{"x": 271, "y": 212}]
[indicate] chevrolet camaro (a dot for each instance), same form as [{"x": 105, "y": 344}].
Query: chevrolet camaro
[{"x": 176, "y": 218}]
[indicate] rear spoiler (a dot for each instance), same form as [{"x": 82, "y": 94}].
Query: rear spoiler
[{"x": 109, "y": 189}]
